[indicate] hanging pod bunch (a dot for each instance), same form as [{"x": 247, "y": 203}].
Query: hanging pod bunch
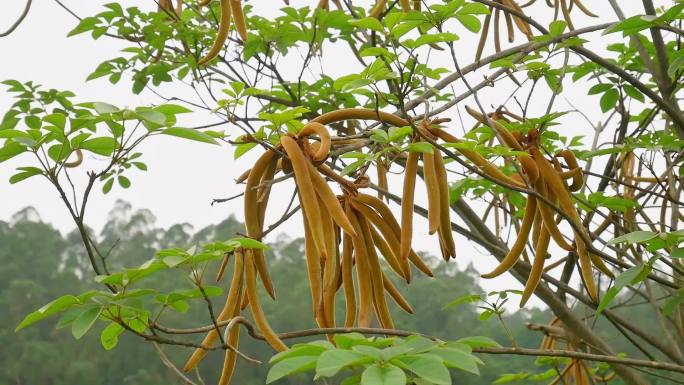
[
  {"x": 565, "y": 7},
  {"x": 511, "y": 20},
  {"x": 435, "y": 177},
  {"x": 549, "y": 183},
  {"x": 362, "y": 224}
]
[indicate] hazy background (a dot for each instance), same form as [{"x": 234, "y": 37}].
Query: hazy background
[{"x": 183, "y": 177}]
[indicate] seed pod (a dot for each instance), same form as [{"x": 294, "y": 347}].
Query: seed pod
[
  {"x": 229, "y": 308},
  {"x": 230, "y": 358},
  {"x": 381, "y": 169},
  {"x": 477, "y": 159},
  {"x": 537, "y": 266},
  {"x": 407, "y": 205},
  {"x": 239, "y": 17},
  {"x": 322, "y": 132},
  {"x": 577, "y": 176},
  {"x": 445, "y": 233},
  {"x": 224, "y": 27},
  {"x": 362, "y": 114},
  {"x": 523, "y": 235},
  {"x": 363, "y": 275},
  {"x": 387, "y": 240},
  {"x": 329, "y": 200},
  {"x": 432, "y": 185},
  {"x": 396, "y": 295},
  {"x": 255, "y": 305},
  {"x": 378, "y": 9},
  {"x": 379, "y": 300},
  {"x": 307, "y": 194},
  {"x": 348, "y": 281}
]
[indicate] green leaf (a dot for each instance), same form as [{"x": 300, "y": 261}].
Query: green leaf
[
  {"x": 675, "y": 65},
  {"x": 557, "y": 27},
  {"x": 26, "y": 172},
  {"x": 188, "y": 133},
  {"x": 634, "y": 237},
  {"x": 420, "y": 147},
  {"x": 600, "y": 88},
  {"x": 673, "y": 302},
  {"x": 332, "y": 361},
  {"x": 123, "y": 181},
  {"x": 428, "y": 367},
  {"x": 628, "y": 277},
  {"x": 10, "y": 150},
  {"x": 172, "y": 109},
  {"x": 368, "y": 23},
  {"x": 677, "y": 253},
  {"x": 468, "y": 298},
  {"x": 151, "y": 116},
  {"x": 311, "y": 349},
  {"x": 479, "y": 342},
  {"x": 57, "y": 119},
  {"x": 110, "y": 335},
  {"x": 383, "y": 375},
  {"x": 62, "y": 303},
  {"x": 250, "y": 243},
  {"x": 104, "y": 146},
  {"x": 458, "y": 359},
  {"x": 290, "y": 366},
  {"x": 471, "y": 22},
  {"x": 632, "y": 92},
  {"x": 85, "y": 321},
  {"x": 107, "y": 187},
  {"x": 105, "y": 108},
  {"x": 609, "y": 100},
  {"x": 472, "y": 8}
]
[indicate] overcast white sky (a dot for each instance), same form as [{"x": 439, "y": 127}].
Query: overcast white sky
[{"x": 184, "y": 176}]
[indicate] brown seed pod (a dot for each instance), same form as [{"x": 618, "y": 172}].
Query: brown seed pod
[
  {"x": 313, "y": 267},
  {"x": 478, "y": 160},
  {"x": 329, "y": 200},
  {"x": 537, "y": 266},
  {"x": 381, "y": 169},
  {"x": 387, "y": 252},
  {"x": 509, "y": 140},
  {"x": 523, "y": 235},
  {"x": 363, "y": 275},
  {"x": 445, "y": 233},
  {"x": 331, "y": 265},
  {"x": 224, "y": 27},
  {"x": 307, "y": 194},
  {"x": 396, "y": 295},
  {"x": 379, "y": 300},
  {"x": 387, "y": 240},
  {"x": 407, "y": 205},
  {"x": 577, "y": 176},
  {"x": 239, "y": 17},
  {"x": 230, "y": 358},
  {"x": 361, "y": 114},
  {"x": 432, "y": 185},
  {"x": 77, "y": 162},
  {"x": 255, "y": 305},
  {"x": 325, "y": 143},
  {"x": 230, "y": 307},
  {"x": 548, "y": 219},
  {"x": 378, "y": 8},
  {"x": 348, "y": 281}
]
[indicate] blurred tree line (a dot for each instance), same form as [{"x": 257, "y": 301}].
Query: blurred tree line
[{"x": 38, "y": 263}]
